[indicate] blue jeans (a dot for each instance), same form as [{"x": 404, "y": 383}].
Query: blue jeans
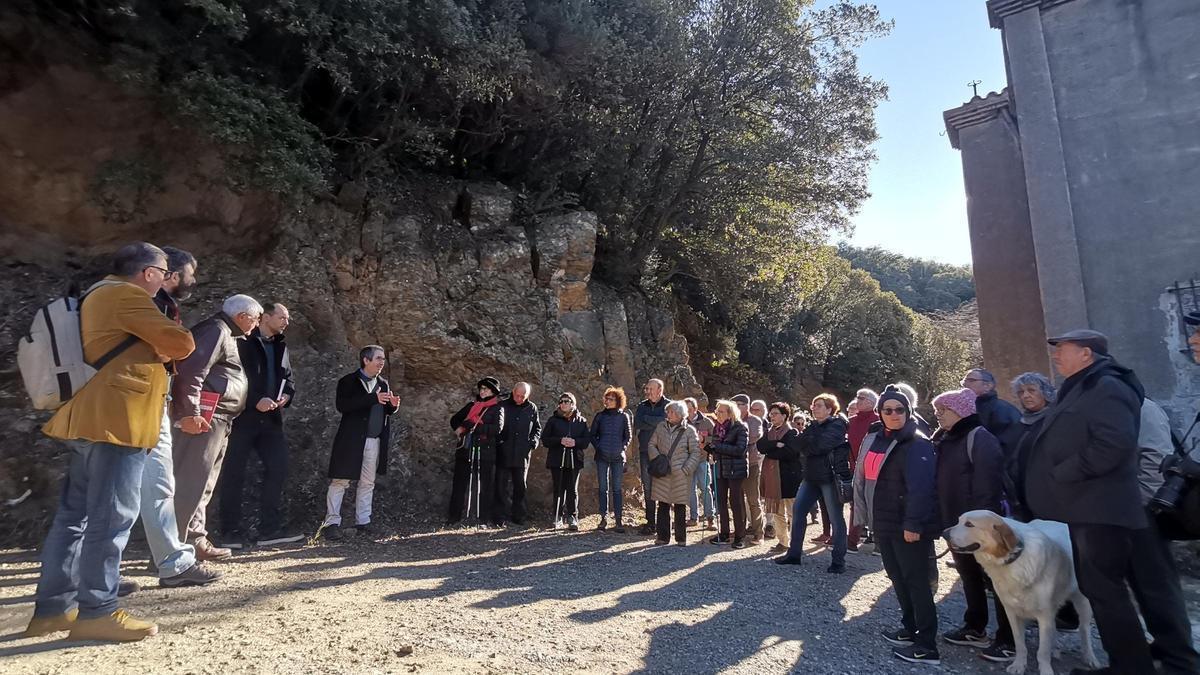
[
  {"x": 806, "y": 496},
  {"x": 172, "y": 556},
  {"x": 609, "y": 475},
  {"x": 81, "y": 557},
  {"x": 701, "y": 480}
]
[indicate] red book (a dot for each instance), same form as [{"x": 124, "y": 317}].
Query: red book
[{"x": 208, "y": 404}]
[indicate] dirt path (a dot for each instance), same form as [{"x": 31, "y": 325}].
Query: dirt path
[{"x": 511, "y": 601}]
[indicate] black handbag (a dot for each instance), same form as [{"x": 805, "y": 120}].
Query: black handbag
[
  {"x": 660, "y": 466},
  {"x": 839, "y": 464}
]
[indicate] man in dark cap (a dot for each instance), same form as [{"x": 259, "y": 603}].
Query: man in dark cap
[
  {"x": 478, "y": 425},
  {"x": 1083, "y": 472}
]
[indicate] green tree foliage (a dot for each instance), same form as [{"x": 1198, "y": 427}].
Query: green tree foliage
[
  {"x": 675, "y": 120},
  {"x": 844, "y": 332},
  {"x": 923, "y": 285}
]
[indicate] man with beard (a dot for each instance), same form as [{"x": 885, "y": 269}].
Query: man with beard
[
  {"x": 175, "y": 560},
  {"x": 259, "y": 430}
]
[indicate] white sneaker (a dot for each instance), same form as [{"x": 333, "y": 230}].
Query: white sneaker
[{"x": 558, "y": 524}]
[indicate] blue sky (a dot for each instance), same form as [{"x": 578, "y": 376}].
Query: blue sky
[{"x": 917, "y": 206}]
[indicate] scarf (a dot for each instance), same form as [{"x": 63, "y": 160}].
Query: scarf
[
  {"x": 1029, "y": 418},
  {"x": 475, "y": 416},
  {"x": 721, "y": 429},
  {"x": 774, "y": 434}
]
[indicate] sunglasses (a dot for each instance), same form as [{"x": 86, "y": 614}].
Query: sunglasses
[
  {"x": 566, "y": 401},
  {"x": 892, "y": 411}
]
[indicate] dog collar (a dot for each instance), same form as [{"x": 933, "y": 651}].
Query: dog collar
[{"x": 1013, "y": 555}]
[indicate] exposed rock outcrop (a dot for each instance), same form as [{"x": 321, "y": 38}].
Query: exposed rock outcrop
[{"x": 442, "y": 275}]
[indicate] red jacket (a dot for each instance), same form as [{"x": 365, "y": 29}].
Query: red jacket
[{"x": 859, "y": 424}]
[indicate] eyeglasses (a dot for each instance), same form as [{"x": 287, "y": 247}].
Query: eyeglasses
[
  {"x": 973, "y": 379},
  {"x": 892, "y": 411},
  {"x": 165, "y": 271}
]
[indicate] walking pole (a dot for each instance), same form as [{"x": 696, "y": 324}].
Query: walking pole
[{"x": 475, "y": 479}]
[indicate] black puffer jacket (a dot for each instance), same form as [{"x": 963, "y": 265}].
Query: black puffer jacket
[
  {"x": 825, "y": 446},
  {"x": 903, "y": 467},
  {"x": 558, "y": 428},
  {"x": 732, "y": 452},
  {"x": 968, "y": 482}
]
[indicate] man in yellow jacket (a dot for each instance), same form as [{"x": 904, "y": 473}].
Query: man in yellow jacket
[{"x": 109, "y": 424}]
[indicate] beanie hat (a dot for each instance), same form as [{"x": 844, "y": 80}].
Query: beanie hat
[
  {"x": 891, "y": 393},
  {"x": 741, "y": 398},
  {"x": 491, "y": 383},
  {"x": 961, "y": 401}
]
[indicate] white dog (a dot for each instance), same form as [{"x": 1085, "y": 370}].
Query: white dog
[{"x": 1033, "y": 575}]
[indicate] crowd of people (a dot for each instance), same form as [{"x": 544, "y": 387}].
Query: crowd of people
[{"x": 173, "y": 415}]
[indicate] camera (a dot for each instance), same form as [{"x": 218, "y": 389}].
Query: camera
[{"x": 1178, "y": 472}]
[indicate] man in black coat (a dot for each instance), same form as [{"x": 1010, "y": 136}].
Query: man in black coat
[
  {"x": 259, "y": 430},
  {"x": 1083, "y": 472},
  {"x": 998, "y": 416},
  {"x": 521, "y": 434},
  {"x": 360, "y": 448}
]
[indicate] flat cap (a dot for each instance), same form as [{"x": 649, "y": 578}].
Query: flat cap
[
  {"x": 741, "y": 398},
  {"x": 1084, "y": 337}
]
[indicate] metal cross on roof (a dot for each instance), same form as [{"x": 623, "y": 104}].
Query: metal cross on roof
[{"x": 974, "y": 85}]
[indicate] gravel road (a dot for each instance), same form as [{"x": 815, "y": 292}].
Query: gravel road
[{"x": 507, "y": 601}]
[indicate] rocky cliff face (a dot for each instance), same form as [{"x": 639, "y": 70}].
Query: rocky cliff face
[{"x": 442, "y": 275}]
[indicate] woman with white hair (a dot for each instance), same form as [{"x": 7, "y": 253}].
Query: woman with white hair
[
  {"x": 729, "y": 444},
  {"x": 678, "y": 441},
  {"x": 1035, "y": 392},
  {"x": 914, "y": 401}
]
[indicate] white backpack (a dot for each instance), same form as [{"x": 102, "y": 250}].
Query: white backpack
[{"x": 50, "y": 355}]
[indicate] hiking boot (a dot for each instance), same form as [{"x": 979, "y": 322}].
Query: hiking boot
[
  {"x": 999, "y": 653},
  {"x": 1066, "y": 625},
  {"x": 661, "y": 542},
  {"x": 709, "y": 525},
  {"x": 648, "y": 528},
  {"x": 823, "y": 540},
  {"x": 205, "y": 551},
  {"x": 127, "y": 587},
  {"x": 779, "y": 548},
  {"x": 277, "y": 537},
  {"x": 739, "y": 543},
  {"x": 574, "y": 526},
  {"x": 918, "y": 654},
  {"x": 196, "y": 575},
  {"x": 899, "y": 637},
  {"x": 693, "y": 522},
  {"x": 718, "y": 540},
  {"x": 788, "y": 560},
  {"x": 603, "y": 524},
  {"x": 835, "y": 568},
  {"x": 332, "y": 533},
  {"x": 619, "y": 529},
  {"x": 967, "y": 637},
  {"x": 45, "y": 625},
  {"x": 365, "y": 530},
  {"x": 120, "y": 626},
  {"x": 769, "y": 532},
  {"x": 681, "y": 542}
]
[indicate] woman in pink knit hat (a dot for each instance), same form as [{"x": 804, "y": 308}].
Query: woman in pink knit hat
[{"x": 970, "y": 476}]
